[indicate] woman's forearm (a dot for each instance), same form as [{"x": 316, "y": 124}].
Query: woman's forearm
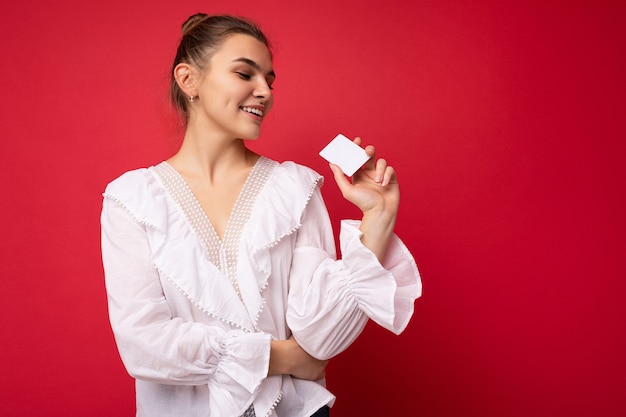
[
  {"x": 377, "y": 229},
  {"x": 288, "y": 358}
]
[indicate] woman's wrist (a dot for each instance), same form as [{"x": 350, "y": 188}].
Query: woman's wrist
[
  {"x": 377, "y": 228},
  {"x": 278, "y": 365}
]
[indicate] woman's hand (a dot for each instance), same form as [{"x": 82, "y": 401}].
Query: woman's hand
[
  {"x": 374, "y": 190},
  {"x": 373, "y": 187},
  {"x": 287, "y": 357}
]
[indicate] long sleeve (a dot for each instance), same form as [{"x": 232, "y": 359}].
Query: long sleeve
[
  {"x": 331, "y": 300},
  {"x": 154, "y": 342}
]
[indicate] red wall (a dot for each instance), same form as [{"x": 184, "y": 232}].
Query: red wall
[{"x": 504, "y": 120}]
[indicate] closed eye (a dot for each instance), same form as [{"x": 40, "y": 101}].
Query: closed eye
[{"x": 247, "y": 77}]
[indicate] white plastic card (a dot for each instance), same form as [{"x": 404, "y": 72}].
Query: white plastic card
[{"x": 345, "y": 153}]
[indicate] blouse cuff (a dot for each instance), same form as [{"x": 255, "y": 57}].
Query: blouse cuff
[
  {"x": 241, "y": 369},
  {"x": 385, "y": 292}
]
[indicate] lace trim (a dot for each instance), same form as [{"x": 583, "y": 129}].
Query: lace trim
[
  {"x": 275, "y": 403},
  {"x": 222, "y": 253},
  {"x": 200, "y": 306}
]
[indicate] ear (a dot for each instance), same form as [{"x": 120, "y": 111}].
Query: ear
[{"x": 186, "y": 78}]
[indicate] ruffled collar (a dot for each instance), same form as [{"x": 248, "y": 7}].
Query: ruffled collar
[
  {"x": 179, "y": 254},
  {"x": 276, "y": 215}
]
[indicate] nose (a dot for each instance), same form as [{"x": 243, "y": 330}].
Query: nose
[{"x": 262, "y": 90}]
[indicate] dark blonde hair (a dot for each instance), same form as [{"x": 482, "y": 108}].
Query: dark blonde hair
[{"x": 202, "y": 37}]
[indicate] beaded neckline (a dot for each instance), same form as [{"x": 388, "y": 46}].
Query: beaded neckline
[{"x": 222, "y": 253}]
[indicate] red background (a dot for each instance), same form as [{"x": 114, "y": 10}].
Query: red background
[{"x": 505, "y": 122}]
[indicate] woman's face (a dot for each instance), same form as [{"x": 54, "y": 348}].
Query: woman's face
[{"x": 235, "y": 92}]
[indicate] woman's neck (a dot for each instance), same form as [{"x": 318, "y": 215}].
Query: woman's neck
[{"x": 211, "y": 157}]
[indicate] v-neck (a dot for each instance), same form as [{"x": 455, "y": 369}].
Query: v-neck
[{"x": 223, "y": 253}]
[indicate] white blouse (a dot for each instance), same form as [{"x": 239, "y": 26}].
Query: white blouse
[{"x": 193, "y": 316}]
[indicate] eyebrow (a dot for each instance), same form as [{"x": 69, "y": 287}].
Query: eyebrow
[{"x": 254, "y": 65}]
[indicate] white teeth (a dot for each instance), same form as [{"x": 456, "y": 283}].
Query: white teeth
[{"x": 253, "y": 111}]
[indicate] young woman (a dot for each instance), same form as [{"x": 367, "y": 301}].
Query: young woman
[{"x": 225, "y": 294}]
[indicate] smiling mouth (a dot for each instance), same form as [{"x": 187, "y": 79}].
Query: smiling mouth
[{"x": 251, "y": 110}]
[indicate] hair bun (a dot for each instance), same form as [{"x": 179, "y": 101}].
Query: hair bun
[{"x": 193, "y": 21}]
